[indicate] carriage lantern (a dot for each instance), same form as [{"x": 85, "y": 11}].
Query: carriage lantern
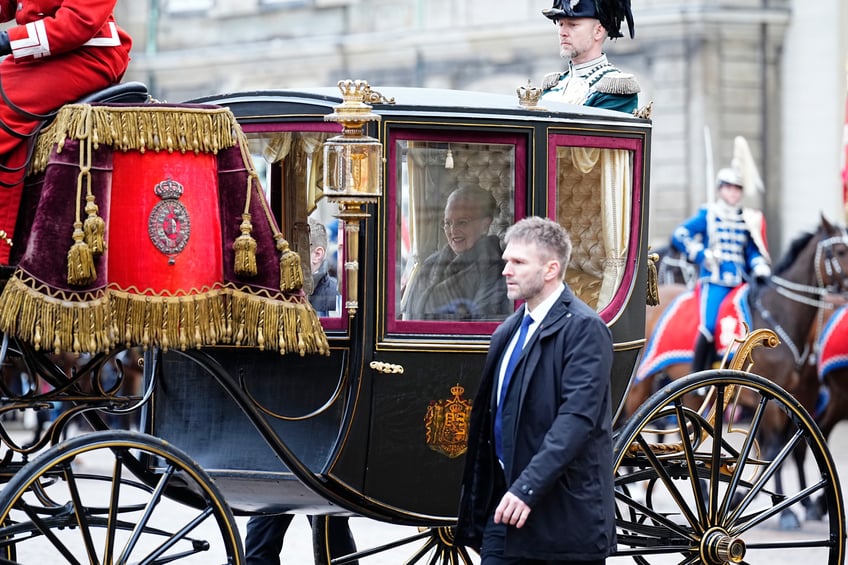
[{"x": 353, "y": 171}]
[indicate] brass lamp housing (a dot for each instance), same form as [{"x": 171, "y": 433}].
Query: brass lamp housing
[{"x": 353, "y": 173}]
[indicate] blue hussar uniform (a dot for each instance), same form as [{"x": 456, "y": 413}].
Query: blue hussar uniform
[
  {"x": 727, "y": 243},
  {"x": 593, "y": 83}
]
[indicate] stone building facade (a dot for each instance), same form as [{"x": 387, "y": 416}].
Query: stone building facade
[{"x": 714, "y": 69}]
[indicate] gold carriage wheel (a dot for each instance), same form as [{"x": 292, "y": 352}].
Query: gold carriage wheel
[
  {"x": 692, "y": 482},
  {"x": 116, "y": 496}
]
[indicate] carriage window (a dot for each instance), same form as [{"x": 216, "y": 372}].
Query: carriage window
[
  {"x": 594, "y": 200},
  {"x": 452, "y": 203},
  {"x": 289, "y": 167}
]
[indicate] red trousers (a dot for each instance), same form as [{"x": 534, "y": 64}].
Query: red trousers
[{"x": 41, "y": 86}]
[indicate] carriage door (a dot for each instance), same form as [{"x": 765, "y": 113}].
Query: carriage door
[
  {"x": 450, "y": 195},
  {"x": 594, "y": 190}
]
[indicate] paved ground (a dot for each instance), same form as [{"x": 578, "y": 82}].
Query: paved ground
[{"x": 297, "y": 548}]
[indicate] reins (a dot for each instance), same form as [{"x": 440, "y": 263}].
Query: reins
[
  {"x": 27, "y": 138},
  {"x": 797, "y": 292}
]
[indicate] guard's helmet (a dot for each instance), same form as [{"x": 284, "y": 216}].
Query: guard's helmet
[{"x": 729, "y": 176}]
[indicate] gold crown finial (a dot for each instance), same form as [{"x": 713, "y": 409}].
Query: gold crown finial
[
  {"x": 528, "y": 96},
  {"x": 355, "y": 110}
]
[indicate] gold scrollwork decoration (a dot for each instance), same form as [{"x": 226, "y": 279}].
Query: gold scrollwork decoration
[{"x": 386, "y": 368}]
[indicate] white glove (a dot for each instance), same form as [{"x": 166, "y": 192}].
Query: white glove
[
  {"x": 762, "y": 271},
  {"x": 710, "y": 263}
]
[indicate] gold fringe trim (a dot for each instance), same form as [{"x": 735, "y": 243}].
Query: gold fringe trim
[
  {"x": 141, "y": 128},
  {"x": 245, "y": 248},
  {"x": 94, "y": 227},
  {"x": 291, "y": 273},
  {"x": 81, "y": 269},
  {"x": 616, "y": 82},
  {"x": 53, "y": 322},
  {"x": 96, "y": 322},
  {"x": 273, "y": 324},
  {"x": 550, "y": 80}
]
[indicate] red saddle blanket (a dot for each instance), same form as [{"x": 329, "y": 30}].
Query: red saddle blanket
[
  {"x": 833, "y": 343},
  {"x": 673, "y": 339}
]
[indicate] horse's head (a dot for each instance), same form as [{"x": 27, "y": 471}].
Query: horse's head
[{"x": 831, "y": 259}]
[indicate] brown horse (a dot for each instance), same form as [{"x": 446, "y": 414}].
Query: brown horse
[{"x": 815, "y": 266}]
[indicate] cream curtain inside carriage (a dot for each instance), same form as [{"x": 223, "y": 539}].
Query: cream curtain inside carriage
[
  {"x": 594, "y": 202},
  {"x": 304, "y": 151}
]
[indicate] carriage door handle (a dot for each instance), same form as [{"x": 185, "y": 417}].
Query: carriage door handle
[{"x": 386, "y": 368}]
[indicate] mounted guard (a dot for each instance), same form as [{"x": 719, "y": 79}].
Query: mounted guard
[{"x": 727, "y": 242}]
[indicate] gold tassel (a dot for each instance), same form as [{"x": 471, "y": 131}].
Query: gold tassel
[
  {"x": 653, "y": 298},
  {"x": 80, "y": 261},
  {"x": 245, "y": 248},
  {"x": 291, "y": 274},
  {"x": 94, "y": 227}
]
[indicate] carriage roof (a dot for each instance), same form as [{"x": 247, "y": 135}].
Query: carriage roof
[{"x": 431, "y": 101}]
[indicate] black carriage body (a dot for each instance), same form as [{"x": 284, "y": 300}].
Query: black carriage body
[{"x": 389, "y": 444}]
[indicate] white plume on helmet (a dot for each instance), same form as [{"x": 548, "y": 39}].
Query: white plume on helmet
[{"x": 743, "y": 170}]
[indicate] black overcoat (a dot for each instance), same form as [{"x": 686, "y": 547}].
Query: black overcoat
[{"x": 558, "y": 445}]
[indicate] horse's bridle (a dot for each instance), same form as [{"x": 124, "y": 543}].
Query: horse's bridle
[
  {"x": 836, "y": 281},
  {"x": 837, "y": 278}
]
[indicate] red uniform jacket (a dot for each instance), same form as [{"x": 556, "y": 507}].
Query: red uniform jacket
[
  {"x": 62, "y": 50},
  {"x": 52, "y": 27}
]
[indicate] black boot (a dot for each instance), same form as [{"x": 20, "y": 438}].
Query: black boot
[{"x": 704, "y": 354}]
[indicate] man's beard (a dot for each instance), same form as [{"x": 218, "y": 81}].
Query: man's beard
[{"x": 531, "y": 289}]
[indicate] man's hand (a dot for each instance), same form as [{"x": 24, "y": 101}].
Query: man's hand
[
  {"x": 511, "y": 510},
  {"x": 762, "y": 272}
]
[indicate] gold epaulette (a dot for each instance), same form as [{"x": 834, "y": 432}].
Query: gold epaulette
[
  {"x": 550, "y": 80},
  {"x": 616, "y": 82}
]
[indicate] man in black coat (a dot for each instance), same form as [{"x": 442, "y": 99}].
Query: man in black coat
[{"x": 538, "y": 482}]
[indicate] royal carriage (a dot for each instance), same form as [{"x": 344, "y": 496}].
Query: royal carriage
[{"x": 252, "y": 403}]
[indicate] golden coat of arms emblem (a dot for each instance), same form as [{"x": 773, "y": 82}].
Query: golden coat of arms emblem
[{"x": 446, "y": 424}]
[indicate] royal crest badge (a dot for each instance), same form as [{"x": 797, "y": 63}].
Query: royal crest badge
[
  {"x": 446, "y": 424},
  {"x": 169, "y": 225}
]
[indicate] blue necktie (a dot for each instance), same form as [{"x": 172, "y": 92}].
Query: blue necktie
[{"x": 510, "y": 367}]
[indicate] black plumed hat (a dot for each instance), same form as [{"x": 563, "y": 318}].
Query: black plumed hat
[{"x": 611, "y": 13}]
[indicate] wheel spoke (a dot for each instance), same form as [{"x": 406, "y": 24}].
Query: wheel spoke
[
  {"x": 114, "y": 498},
  {"x": 761, "y": 517},
  {"x": 715, "y": 470},
  {"x": 772, "y": 468},
  {"x": 429, "y": 544},
  {"x": 148, "y": 511},
  {"x": 688, "y": 451},
  {"x": 732, "y": 508},
  {"x": 667, "y": 480},
  {"x": 742, "y": 458},
  {"x": 655, "y": 516},
  {"x": 45, "y": 530},
  {"x": 116, "y": 519}
]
